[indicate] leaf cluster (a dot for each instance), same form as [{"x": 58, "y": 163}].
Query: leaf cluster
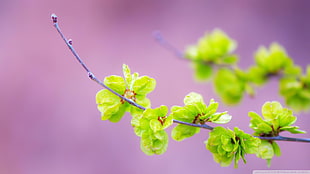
[
  {"x": 231, "y": 145},
  {"x": 128, "y": 94},
  {"x": 296, "y": 90},
  {"x": 213, "y": 48},
  {"x": 197, "y": 112},
  {"x": 131, "y": 86},
  {"x": 150, "y": 126},
  {"x": 213, "y": 57},
  {"x": 275, "y": 119}
]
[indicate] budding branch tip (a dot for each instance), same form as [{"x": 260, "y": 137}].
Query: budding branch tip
[
  {"x": 54, "y": 18},
  {"x": 70, "y": 41}
]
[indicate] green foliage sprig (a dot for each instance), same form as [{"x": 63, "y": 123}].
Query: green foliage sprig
[
  {"x": 128, "y": 94},
  {"x": 213, "y": 58},
  {"x": 197, "y": 112}
]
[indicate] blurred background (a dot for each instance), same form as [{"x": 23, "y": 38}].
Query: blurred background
[{"x": 49, "y": 123}]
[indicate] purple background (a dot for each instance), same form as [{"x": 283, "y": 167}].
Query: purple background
[{"x": 49, "y": 122}]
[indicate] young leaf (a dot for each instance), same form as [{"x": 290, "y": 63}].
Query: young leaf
[
  {"x": 154, "y": 142},
  {"x": 181, "y": 132},
  {"x": 229, "y": 86},
  {"x": 265, "y": 151},
  {"x": 203, "y": 71},
  {"x": 144, "y": 85},
  {"x": 109, "y": 106},
  {"x": 272, "y": 60}
]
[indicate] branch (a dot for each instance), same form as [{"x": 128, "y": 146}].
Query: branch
[
  {"x": 163, "y": 42},
  {"x": 280, "y": 138},
  {"x": 204, "y": 126},
  {"x": 90, "y": 74},
  {"x": 158, "y": 36}
]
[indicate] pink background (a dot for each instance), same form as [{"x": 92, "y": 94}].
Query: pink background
[{"x": 49, "y": 122}]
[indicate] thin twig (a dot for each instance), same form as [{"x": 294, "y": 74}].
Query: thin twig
[
  {"x": 94, "y": 78},
  {"x": 90, "y": 74},
  {"x": 204, "y": 126},
  {"x": 157, "y": 35},
  {"x": 280, "y": 138},
  {"x": 166, "y": 44}
]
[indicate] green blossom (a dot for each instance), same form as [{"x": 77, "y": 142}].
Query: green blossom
[
  {"x": 131, "y": 86},
  {"x": 150, "y": 126},
  {"x": 267, "y": 149},
  {"x": 213, "y": 48},
  {"x": 227, "y": 145},
  {"x": 230, "y": 85},
  {"x": 197, "y": 112},
  {"x": 275, "y": 119},
  {"x": 296, "y": 91},
  {"x": 273, "y": 60}
]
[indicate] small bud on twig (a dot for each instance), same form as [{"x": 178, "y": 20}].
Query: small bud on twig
[
  {"x": 91, "y": 75},
  {"x": 54, "y": 18},
  {"x": 70, "y": 41}
]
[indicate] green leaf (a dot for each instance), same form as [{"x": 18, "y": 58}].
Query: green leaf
[
  {"x": 216, "y": 44},
  {"x": 150, "y": 127},
  {"x": 286, "y": 118},
  {"x": 292, "y": 129},
  {"x": 257, "y": 75},
  {"x": 155, "y": 119},
  {"x": 132, "y": 87},
  {"x": 231, "y": 59},
  {"x": 289, "y": 87},
  {"x": 191, "y": 52},
  {"x": 110, "y": 106},
  {"x": 181, "y": 132},
  {"x": 221, "y": 118},
  {"x": 195, "y": 111},
  {"x": 248, "y": 143},
  {"x": 298, "y": 102},
  {"x": 276, "y": 148},
  {"x": 135, "y": 122},
  {"x": 127, "y": 74},
  {"x": 193, "y": 98},
  {"x": 203, "y": 71},
  {"x": 270, "y": 110},
  {"x": 117, "y": 116},
  {"x": 144, "y": 85},
  {"x": 229, "y": 86},
  {"x": 155, "y": 125},
  {"x": 277, "y": 119},
  {"x": 296, "y": 91},
  {"x": 292, "y": 70},
  {"x": 154, "y": 143},
  {"x": 181, "y": 113},
  {"x": 116, "y": 83},
  {"x": 272, "y": 60},
  {"x": 212, "y": 47},
  {"x": 265, "y": 151}
]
